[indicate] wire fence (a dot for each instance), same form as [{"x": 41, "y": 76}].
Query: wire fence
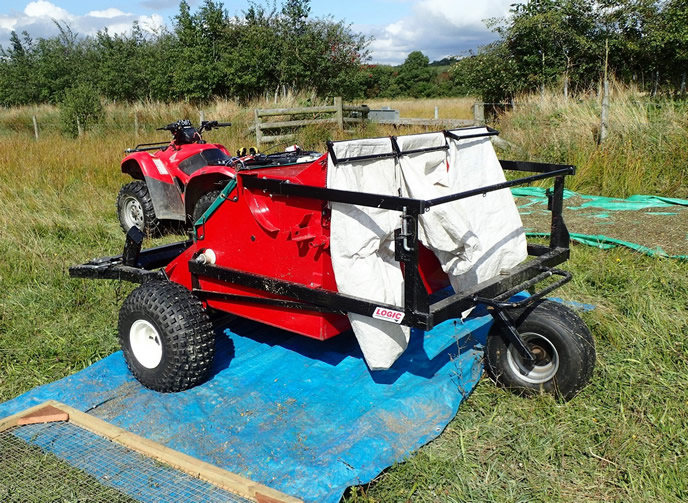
[
  {"x": 43, "y": 121},
  {"x": 64, "y": 462}
]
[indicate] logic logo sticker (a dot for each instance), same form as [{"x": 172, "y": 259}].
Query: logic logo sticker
[{"x": 388, "y": 315}]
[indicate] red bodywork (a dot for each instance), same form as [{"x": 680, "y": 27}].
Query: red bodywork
[
  {"x": 278, "y": 237},
  {"x": 178, "y": 188}
]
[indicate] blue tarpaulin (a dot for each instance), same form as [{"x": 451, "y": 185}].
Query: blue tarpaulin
[{"x": 305, "y": 417}]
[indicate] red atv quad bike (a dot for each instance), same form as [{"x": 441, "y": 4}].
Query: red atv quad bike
[
  {"x": 179, "y": 180},
  {"x": 173, "y": 181}
]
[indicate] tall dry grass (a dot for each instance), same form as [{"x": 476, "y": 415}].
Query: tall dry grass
[
  {"x": 424, "y": 108},
  {"x": 646, "y": 150}
]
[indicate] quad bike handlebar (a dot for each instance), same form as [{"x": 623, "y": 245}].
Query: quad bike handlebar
[
  {"x": 183, "y": 133},
  {"x": 208, "y": 125},
  {"x": 175, "y": 126},
  {"x": 186, "y": 123}
]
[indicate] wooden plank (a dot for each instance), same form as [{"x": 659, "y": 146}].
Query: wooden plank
[
  {"x": 352, "y": 108},
  {"x": 267, "y": 112},
  {"x": 223, "y": 479},
  {"x": 259, "y": 134},
  {"x": 299, "y": 123},
  {"x": 339, "y": 112},
  {"x": 11, "y": 421},
  {"x": 195, "y": 467},
  {"x": 47, "y": 414}
]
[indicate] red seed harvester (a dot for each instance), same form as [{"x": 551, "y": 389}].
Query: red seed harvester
[{"x": 261, "y": 251}]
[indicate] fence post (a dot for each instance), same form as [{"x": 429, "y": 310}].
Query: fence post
[
  {"x": 340, "y": 112},
  {"x": 259, "y": 133},
  {"x": 437, "y": 113},
  {"x": 35, "y": 126},
  {"x": 79, "y": 129},
  {"x": 604, "y": 119},
  {"x": 479, "y": 114},
  {"x": 201, "y": 117}
]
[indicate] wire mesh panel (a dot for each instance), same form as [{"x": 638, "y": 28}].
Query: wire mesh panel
[{"x": 64, "y": 462}]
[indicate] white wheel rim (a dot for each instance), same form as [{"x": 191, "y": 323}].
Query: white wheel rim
[
  {"x": 145, "y": 343},
  {"x": 546, "y": 365},
  {"x": 132, "y": 212}
]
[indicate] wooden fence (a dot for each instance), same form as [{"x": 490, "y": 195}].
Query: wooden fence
[
  {"x": 342, "y": 115},
  {"x": 269, "y": 131}
]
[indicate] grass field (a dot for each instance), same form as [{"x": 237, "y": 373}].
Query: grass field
[{"x": 624, "y": 438}]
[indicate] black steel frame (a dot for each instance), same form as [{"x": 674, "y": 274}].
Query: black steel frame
[{"x": 419, "y": 311}]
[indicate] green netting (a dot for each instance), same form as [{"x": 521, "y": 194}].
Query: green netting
[
  {"x": 538, "y": 195},
  {"x": 605, "y": 243}
]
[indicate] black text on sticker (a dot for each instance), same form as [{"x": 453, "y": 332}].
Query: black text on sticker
[{"x": 388, "y": 315}]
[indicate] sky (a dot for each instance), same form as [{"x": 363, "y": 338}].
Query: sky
[{"x": 438, "y": 28}]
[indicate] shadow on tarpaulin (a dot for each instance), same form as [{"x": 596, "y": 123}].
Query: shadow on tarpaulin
[{"x": 306, "y": 417}]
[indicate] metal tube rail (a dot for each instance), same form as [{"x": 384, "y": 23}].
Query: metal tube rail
[
  {"x": 284, "y": 188},
  {"x": 491, "y": 188}
]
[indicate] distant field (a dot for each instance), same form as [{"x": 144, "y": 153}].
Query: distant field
[
  {"x": 623, "y": 439},
  {"x": 448, "y": 108}
]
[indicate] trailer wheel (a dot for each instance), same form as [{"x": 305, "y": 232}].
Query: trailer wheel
[
  {"x": 135, "y": 208},
  {"x": 561, "y": 342},
  {"x": 166, "y": 336},
  {"x": 203, "y": 204}
]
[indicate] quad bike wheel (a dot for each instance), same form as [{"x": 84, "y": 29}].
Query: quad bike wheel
[
  {"x": 166, "y": 336},
  {"x": 561, "y": 342},
  {"x": 135, "y": 208},
  {"x": 203, "y": 204}
]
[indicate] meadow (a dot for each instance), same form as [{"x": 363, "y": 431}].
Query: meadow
[{"x": 624, "y": 438}]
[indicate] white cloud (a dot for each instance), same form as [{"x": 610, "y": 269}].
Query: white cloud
[
  {"x": 38, "y": 18},
  {"x": 438, "y": 28},
  {"x": 107, "y": 13},
  {"x": 7, "y": 23},
  {"x": 43, "y": 9}
]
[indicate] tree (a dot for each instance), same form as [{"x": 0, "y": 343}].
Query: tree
[
  {"x": 552, "y": 40},
  {"x": 416, "y": 78},
  {"x": 80, "y": 108},
  {"x": 120, "y": 67},
  {"x": 491, "y": 73},
  {"x": 674, "y": 31},
  {"x": 201, "y": 46},
  {"x": 17, "y": 64}
]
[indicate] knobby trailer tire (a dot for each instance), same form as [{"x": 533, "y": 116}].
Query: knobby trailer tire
[
  {"x": 559, "y": 339},
  {"x": 166, "y": 337}
]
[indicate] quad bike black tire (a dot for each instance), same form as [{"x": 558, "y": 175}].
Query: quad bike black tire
[
  {"x": 203, "y": 204},
  {"x": 135, "y": 207},
  {"x": 561, "y": 342},
  {"x": 166, "y": 337}
]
